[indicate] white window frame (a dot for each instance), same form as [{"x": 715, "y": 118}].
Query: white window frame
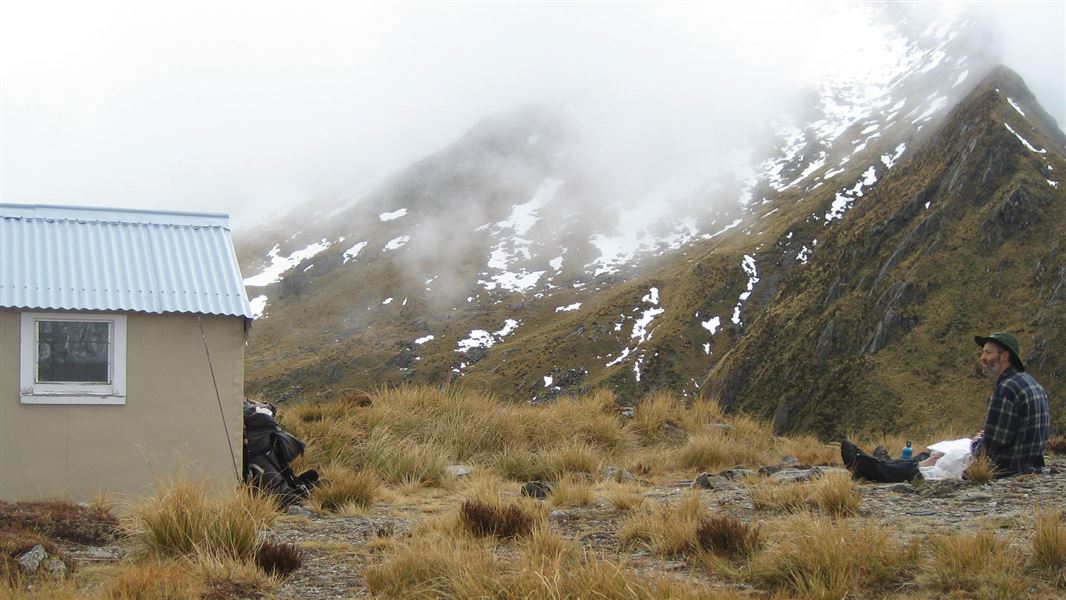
[{"x": 32, "y": 392}]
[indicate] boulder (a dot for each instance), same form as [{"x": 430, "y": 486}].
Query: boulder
[
  {"x": 537, "y": 489},
  {"x": 458, "y": 470},
  {"x": 299, "y": 511},
  {"x": 737, "y": 473},
  {"x": 795, "y": 475},
  {"x": 672, "y": 432},
  {"x": 617, "y": 474},
  {"x": 30, "y": 561},
  {"x": 900, "y": 488},
  {"x": 54, "y": 568},
  {"x": 710, "y": 481}
]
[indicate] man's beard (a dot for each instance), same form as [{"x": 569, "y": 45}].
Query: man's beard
[{"x": 990, "y": 370}]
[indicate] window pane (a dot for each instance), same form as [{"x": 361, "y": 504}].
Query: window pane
[{"x": 73, "y": 351}]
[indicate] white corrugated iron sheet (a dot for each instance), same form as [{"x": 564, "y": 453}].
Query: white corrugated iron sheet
[{"x": 79, "y": 258}]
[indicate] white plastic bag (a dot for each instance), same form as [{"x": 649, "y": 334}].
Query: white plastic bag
[{"x": 954, "y": 462}]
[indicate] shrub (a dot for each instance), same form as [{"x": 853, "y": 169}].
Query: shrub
[
  {"x": 728, "y": 536},
  {"x": 61, "y": 521},
  {"x": 279, "y": 559}
]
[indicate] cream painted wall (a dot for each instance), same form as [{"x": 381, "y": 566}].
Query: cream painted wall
[{"x": 171, "y": 419}]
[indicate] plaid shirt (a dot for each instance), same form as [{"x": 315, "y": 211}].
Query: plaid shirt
[{"x": 1018, "y": 424}]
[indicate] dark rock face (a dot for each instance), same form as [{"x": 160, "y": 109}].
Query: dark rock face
[
  {"x": 404, "y": 360},
  {"x": 1014, "y": 214},
  {"x": 895, "y": 321}
]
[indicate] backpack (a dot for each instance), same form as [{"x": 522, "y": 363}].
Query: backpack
[{"x": 268, "y": 450}]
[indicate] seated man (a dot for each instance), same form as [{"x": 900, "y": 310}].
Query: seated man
[{"x": 1018, "y": 423}]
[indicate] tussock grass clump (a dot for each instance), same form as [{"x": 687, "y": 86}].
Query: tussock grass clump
[
  {"x": 670, "y": 531},
  {"x": 516, "y": 464},
  {"x": 980, "y": 470},
  {"x": 501, "y": 520},
  {"x": 224, "y": 578},
  {"x": 572, "y": 490},
  {"x": 816, "y": 557},
  {"x": 727, "y": 536},
  {"x": 834, "y": 494},
  {"x": 181, "y": 518},
  {"x": 571, "y": 457},
  {"x": 655, "y": 417},
  {"x": 767, "y": 494},
  {"x": 624, "y": 496},
  {"x": 1049, "y": 542},
  {"x": 811, "y": 451},
  {"x": 152, "y": 580},
  {"x": 434, "y": 567},
  {"x": 401, "y": 459},
  {"x": 347, "y": 491},
  {"x": 705, "y": 451},
  {"x": 978, "y": 564}
]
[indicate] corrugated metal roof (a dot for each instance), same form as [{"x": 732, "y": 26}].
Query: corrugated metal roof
[{"x": 81, "y": 258}]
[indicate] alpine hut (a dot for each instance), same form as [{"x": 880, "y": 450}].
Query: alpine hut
[{"x": 122, "y": 339}]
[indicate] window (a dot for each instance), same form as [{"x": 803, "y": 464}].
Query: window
[{"x": 73, "y": 359}]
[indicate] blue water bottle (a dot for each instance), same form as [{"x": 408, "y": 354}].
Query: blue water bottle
[{"x": 907, "y": 452}]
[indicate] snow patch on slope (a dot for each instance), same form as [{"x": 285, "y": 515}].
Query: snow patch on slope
[{"x": 280, "y": 264}]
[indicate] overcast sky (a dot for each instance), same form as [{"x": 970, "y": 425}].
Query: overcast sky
[{"x": 247, "y": 107}]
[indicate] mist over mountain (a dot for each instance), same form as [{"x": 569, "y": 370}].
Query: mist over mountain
[{"x": 826, "y": 268}]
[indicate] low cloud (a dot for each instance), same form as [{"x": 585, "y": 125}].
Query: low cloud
[{"x": 255, "y": 107}]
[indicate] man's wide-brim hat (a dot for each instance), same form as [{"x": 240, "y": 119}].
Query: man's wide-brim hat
[{"x": 1004, "y": 340}]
